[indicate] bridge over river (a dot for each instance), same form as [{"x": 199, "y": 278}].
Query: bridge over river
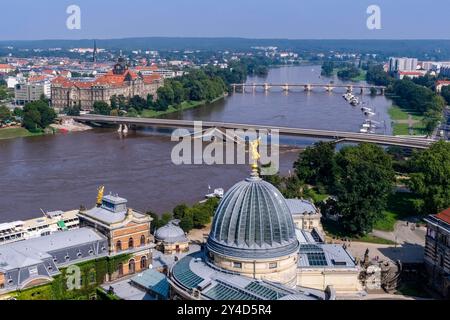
[
  {"x": 338, "y": 136},
  {"x": 329, "y": 87}
]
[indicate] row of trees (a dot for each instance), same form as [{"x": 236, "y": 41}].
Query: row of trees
[
  {"x": 419, "y": 99},
  {"x": 362, "y": 178},
  {"x": 196, "y": 216}
]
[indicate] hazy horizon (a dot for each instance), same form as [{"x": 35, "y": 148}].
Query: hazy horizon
[{"x": 31, "y": 20}]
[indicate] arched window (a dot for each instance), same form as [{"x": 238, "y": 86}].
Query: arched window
[
  {"x": 131, "y": 266},
  {"x": 119, "y": 245},
  {"x": 130, "y": 243},
  {"x": 143, "y": 262},
  {"x": 120, "y": 269},
  {"x": 142, "y": 240}
]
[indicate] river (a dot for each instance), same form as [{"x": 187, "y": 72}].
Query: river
[{"x": 62, "y": 172}]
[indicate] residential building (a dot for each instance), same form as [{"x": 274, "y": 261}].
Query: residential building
[
  {"x": 437, "y": 252},
  {"x": 402, "y": 64},
  {"x": 410, "y": 74},
  {"x": 6, "y": 68}
]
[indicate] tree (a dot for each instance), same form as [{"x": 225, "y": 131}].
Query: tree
[
  {"x": 377, "y": 76},
  {"x": 316, "y": 164},
  {"x": 327, "y": 68},
  {"x": 363, "y": 181},
  {"x": 38, "y": 115},
  {"x": 165, "y": 95},
  {"x": 179, "y": 211},
  {"x": 201, "y": 216},
  {"x": 18, "y": 112},
  {"x": 430, "y": 178},
  {"x": 101, "y": 107},
  {"x": 187, "y": 221},
  {"x": 5, "y": 114}
]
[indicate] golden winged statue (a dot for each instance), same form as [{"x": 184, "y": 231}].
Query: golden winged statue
[
  {"x": 254, "y": 152},
  {"x": 100, "y": 190}
]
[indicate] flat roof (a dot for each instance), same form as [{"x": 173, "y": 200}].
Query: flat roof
[
  {"x": 32, "y": 251},
  {"x": 301, "y": 206}
]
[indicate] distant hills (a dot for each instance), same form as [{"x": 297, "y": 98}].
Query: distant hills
[{"x": 418, "y": 48}]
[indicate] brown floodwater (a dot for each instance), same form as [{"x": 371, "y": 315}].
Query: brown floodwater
[{"x": 62, "y": 172}]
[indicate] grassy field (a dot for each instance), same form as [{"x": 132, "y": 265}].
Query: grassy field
[
  {"x": 361, "y": 77},
  {"x": 400, "y": 129},
  {"x": 9, "y": 133},
  {"x": 334, "y": 229},
  {"x": 400, "y": 205},
  {"x": 397, "y": 114}
]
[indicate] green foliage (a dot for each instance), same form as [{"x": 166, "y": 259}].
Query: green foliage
[
  {"x": 349, "y": 73},
  {"x": 93, "y": 273},
  {"x": 179, "y": 211},
  {"x": 363, "y": 182},
  {"x": 196, "y": 216},
  {"x": 187, "y": 221},
  {"x": 430, "y": 178},
  {"x": 5, "y": 114},
  {"x": 101, "y": 107},
  {"x": 18, "y": 112},
  {"x": 316, "y": 164},
  {"x": 327, "y": 68},
  {"x": 37, "y": 115},
  {"x": 408, "y": 95},
  {"x": 377, "y": 76}
]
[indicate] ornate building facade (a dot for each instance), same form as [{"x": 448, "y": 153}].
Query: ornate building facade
[{"x": 118, "y": 82}]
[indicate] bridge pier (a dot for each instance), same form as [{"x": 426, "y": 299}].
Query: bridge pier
[
  {"x": 308, "y": 87},
  {"x": 266, "y": 87},
  {"x": 349, "y": 89},
  {"x": 362, "y": 90},
  {"x": 234, "y": 88},
  {"x": 329, "y": 88},
  {"x": 382, "y": 91},
  {"x": 285, "y": 87},
  {"x": 254, "y": 88}
]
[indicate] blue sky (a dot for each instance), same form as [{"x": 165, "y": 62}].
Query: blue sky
[{"x": 294, "y": 19}]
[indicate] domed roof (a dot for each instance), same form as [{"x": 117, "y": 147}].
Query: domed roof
[
  {"x": 253, "y": 221},
  {"x": 170, "y": 233}
]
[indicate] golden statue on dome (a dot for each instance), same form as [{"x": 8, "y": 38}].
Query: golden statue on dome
[{"x": 254, "y": 145}]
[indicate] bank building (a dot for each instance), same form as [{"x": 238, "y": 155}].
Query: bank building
[{"x": 255, "y": 252}]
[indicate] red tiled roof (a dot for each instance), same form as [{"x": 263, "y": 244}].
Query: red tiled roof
[
  {"x": 151, "y": 78},
  {"x": 442, "y": 82},
  {"x": 444, "y": 215},
  {"x": 110, "y": 79},
  {"x": 37, "y": 78},
  {"x": 146, "y": 68},
  {"x": 6, "y": 66},
  {"x": 415, "y": 73}
]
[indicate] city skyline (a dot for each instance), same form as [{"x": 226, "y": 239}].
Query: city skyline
[{"x": 286, "y": 19}]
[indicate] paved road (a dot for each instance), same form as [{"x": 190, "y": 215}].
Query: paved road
[{"x": 404, "y": 232}]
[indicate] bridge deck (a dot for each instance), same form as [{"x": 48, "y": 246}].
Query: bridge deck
[{"x": 410, "y": 142}]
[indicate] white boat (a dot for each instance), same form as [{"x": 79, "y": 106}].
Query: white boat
[
  {"x": 50, "y": 223},
  {"x": 369, "y": 113},
  {"x": 218, "y": 193}
]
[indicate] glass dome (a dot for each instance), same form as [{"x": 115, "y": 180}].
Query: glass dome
[{"x": 253, "y": 221}]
